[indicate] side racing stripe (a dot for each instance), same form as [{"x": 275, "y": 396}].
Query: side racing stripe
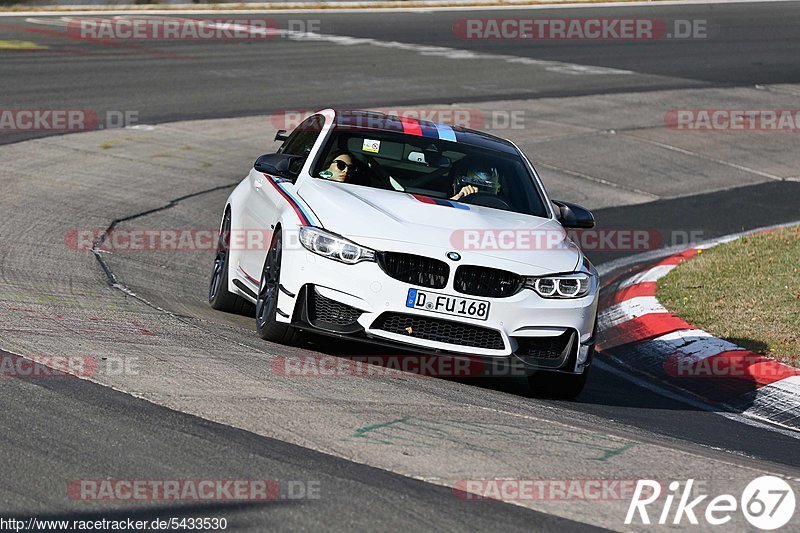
[{"x": 303, "y": 212}]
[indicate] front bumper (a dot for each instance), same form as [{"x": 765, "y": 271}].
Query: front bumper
[{"x": 363, "y": 302}]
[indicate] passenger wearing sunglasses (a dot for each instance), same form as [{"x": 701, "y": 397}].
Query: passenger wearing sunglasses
[{"x": 340, "y": 167}]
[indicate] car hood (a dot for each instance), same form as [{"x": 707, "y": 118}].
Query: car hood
[{"x": 391, "y": 220}]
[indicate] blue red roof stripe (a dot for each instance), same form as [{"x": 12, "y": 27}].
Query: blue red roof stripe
[
  {"x": 411, "y": 126},
  {"x": 430, "y": 129},
  {"x": 446, "y": 133},
  {"x": 373, "y": 120}
]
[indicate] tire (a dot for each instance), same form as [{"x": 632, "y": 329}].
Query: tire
[
  {"x": 218, "y": 295},
  {"x": 267, "y": 327},
  {"x": 558, "y": 386}
]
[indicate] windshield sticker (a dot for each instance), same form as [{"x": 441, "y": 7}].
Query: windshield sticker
[
  {"x": 371, "y": 146},
  {"x": 327, "y": 174}
]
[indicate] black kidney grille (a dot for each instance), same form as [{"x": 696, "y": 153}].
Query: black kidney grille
[
  {"x": 482, "y": 281},
  {"x": 323, "y": 309},
  {"x": 435, "y": 329},
  {"x": 415, "y": 269}
]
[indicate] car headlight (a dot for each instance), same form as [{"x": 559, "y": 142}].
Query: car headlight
[
  {"x": 333, "y": 246},
  {"x": 576, "y": 285}
]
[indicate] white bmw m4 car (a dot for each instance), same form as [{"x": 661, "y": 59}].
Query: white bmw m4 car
[{"x": 415, "y": 235}]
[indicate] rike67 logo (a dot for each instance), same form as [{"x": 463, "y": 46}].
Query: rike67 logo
[{"x": 767, "y": 503}]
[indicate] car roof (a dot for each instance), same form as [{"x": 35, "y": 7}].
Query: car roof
[{"x": 376, "y": 121}]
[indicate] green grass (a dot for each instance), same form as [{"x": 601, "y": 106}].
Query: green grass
[{"x": 746, "y": 291}]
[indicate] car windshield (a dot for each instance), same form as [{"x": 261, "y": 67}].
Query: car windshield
[{"x": 430, "y": 167}]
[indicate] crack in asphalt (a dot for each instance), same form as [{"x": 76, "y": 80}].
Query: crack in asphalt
[{"x": 113, "y": 282}]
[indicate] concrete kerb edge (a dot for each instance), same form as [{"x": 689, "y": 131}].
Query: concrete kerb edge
[{"x": 637, "y": 324}]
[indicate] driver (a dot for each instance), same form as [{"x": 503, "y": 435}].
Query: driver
[
  {"x": 470, "y": 178},
  {"x": 465, "y": 191},
  {"x": 339, "y": 167}
]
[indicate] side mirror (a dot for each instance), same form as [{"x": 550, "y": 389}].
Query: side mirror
[
  {"x": 281, "y": 135},
  {"x": 276, "y": 164},
  {"x": 573, "y": 215}
]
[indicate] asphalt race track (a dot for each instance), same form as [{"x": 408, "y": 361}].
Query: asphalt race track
[
  {"x": 199, "y": 396},
  {"x": 164, "y": 81}
]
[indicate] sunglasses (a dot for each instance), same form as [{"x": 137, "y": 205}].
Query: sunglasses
[{"x": 341, "y": 165}]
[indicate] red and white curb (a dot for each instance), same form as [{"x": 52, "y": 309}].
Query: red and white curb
[{"x": 634, "y": 327}]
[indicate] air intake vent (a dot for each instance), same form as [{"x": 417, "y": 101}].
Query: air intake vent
[
  {"x": 324, "y": 311},
  {"x": 435, "y": 329},
  {"x": 549, "y": 352}
]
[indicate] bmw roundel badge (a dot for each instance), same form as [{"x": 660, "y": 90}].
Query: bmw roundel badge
[{"x": 453, "y": 256}]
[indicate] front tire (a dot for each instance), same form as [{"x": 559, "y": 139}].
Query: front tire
[
  {"x": 267, "y": 326},
  {"x": 218, "y": 295}
]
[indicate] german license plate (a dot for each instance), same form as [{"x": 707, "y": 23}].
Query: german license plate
[{"x": 447, "y": 305}]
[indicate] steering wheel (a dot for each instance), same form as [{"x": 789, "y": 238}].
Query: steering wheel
[
  {"x": 486, "y": 199},
  {"x": 376, "y": 169},
  {"x": 377, "y": 176}
]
